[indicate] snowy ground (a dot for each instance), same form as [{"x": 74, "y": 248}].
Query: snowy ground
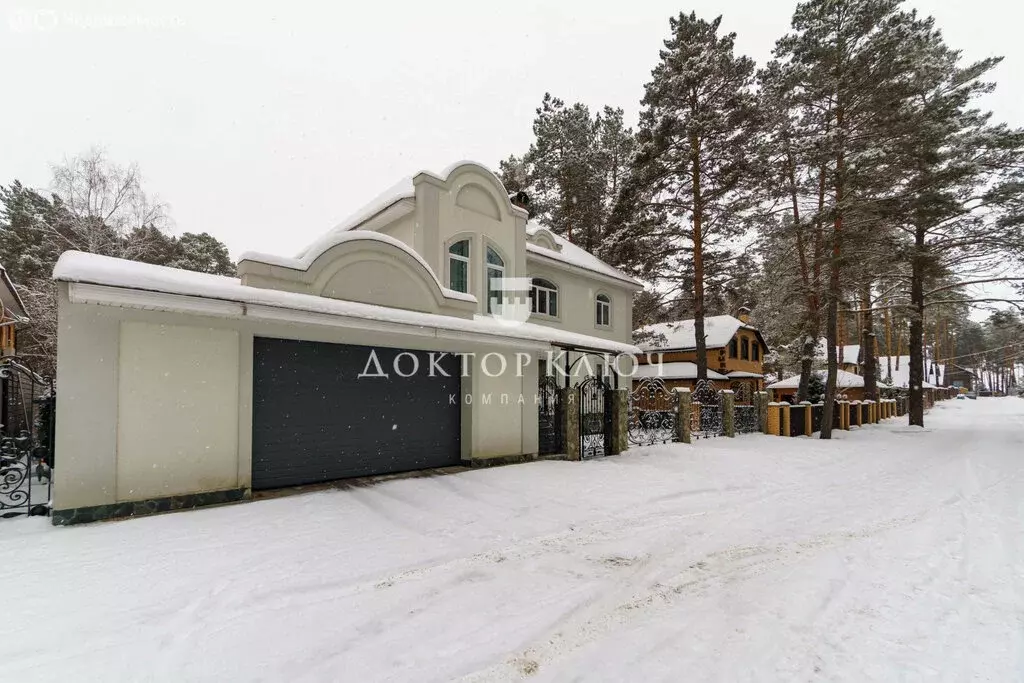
[{"x": 888, "y": 554}]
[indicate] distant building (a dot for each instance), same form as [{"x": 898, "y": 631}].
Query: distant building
[{"x": 961, "y": 378}]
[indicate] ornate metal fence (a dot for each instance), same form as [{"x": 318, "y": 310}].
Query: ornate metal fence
[
  {"x": 549, "y": 417},
  {"x": 746, "y": 420},
  {"x": 652, "y": 413},
  {"x": 26, "y": 440},
  {"x": 743, "y": 393},
  {"x": 706, "y": 411},
  {"x": 595, "y": 418}
]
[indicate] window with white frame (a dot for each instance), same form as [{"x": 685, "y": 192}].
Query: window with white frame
[
  {"x": 544, "y": 298},
  {"x": 603, "y": 312},
  {"x": 458, "y": 266},
  {"x": 495, "y": 274}
]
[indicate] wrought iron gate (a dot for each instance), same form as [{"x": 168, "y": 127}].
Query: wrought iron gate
[
  {"x": 26, "y": 439},
  {"x": 549, "y": 416},
  {"x": 652, "y": 413},
  {"x": 743, "y": 393},
  {"x": 706, "y": 410},
  {"x": 595, "y": 418}
]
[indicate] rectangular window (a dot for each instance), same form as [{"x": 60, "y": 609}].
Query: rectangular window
[
  {"x": 732, "y": 348},
  {"x": 494, "y": 289},
  {"x": 756, "y": 351},
  {"x": 603, "y": 314},
  {"x": 458, "y": 274},
  {"x": 745, "y": 349},
  {"x": 458, "y": 266},
  {"x": 544, "y": 300}
]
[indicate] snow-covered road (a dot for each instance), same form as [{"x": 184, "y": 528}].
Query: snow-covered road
[{"x": 889, "y": 553}]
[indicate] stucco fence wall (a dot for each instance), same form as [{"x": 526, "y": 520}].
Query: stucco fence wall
[{"x": 154, "y": 404}]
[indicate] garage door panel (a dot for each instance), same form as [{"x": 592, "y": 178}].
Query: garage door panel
[{"x": 315, "y": 419}]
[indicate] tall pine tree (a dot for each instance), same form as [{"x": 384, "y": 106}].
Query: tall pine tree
[{"x": 698, "y": 130}]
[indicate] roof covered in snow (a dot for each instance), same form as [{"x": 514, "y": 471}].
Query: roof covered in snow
[
  {"x": 844, "y": 380},
  {"x": 75, "y": 266},
  {"x": 848, "y": 353},
  {"x": 574, "y": 255},
  {"x": 403, "y": 189},
  {"x": 304, "y": 262},
  {"x": 390, "y": 205},
  {"x": 718, "y": 332},
  {"x": 13, "y": 306},
  {"x": 680, "y": 370},
  {"x": 933, "y": 376}
]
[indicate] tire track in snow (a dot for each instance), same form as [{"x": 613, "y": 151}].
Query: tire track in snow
[{"x": 599, "y": 617}]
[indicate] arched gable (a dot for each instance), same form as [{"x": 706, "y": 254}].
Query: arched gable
[
  {"x": 484, "y": 179},
  {"x": 475, "y": 198},
  {"x": 543, "y": 237}
]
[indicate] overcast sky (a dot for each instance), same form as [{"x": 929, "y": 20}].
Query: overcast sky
[{"x": 266, "y": 123}]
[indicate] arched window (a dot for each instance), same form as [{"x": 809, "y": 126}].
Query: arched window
[
  {"x": 744, "y": 349},
  {"x": 733, "y": 348},
  {"x": 458, "y": 266},
  {"x": 603, "y": 310},
  {"x": 543, "y": 297},
  {"x": 495, "y": 276}
]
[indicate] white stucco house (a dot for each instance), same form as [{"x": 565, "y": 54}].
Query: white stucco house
[{"x": 397, "y": 341}]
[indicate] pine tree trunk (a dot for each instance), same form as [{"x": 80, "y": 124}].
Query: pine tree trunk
[
  {"x": 888, "y": 344},
  {"x": 868, "y": 347},
  {"x": 916, "y": 408},
  {"x": 832, "y": 337},
  {"x": 810, "y": 343},
  {"x": 698, "y": 263},
  {"x": 834, "y": 290}
]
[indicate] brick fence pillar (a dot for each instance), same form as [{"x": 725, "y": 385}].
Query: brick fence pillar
[
  {"x": 784, "y": 419},
  {"x": 761, "y": 408},
  {"x": 728, "y": 412},
  {"x": 620, "y": 419},
  {"x": 772, "y": 423},
  {"x": 570, "y": 422},
  {"x": 844, "y": 407},
  {"x": 684, "y": 404}
]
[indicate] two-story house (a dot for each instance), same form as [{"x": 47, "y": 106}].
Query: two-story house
[
  {"x": 413, "y": 335},
  {"x": 12, "y": 314},
  {"x": 735, "y": 353}
]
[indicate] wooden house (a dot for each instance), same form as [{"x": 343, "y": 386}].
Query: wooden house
[
  {"x": 735, "y": 353},
  {"x": 12, "y": 312},
  {"x": 849, "y": 385}
]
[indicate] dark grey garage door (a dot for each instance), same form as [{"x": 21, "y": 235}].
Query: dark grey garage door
[{"x": 315, "y": 419}]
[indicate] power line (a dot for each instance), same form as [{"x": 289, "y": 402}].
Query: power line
[{"x": 982, "y": 353}]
